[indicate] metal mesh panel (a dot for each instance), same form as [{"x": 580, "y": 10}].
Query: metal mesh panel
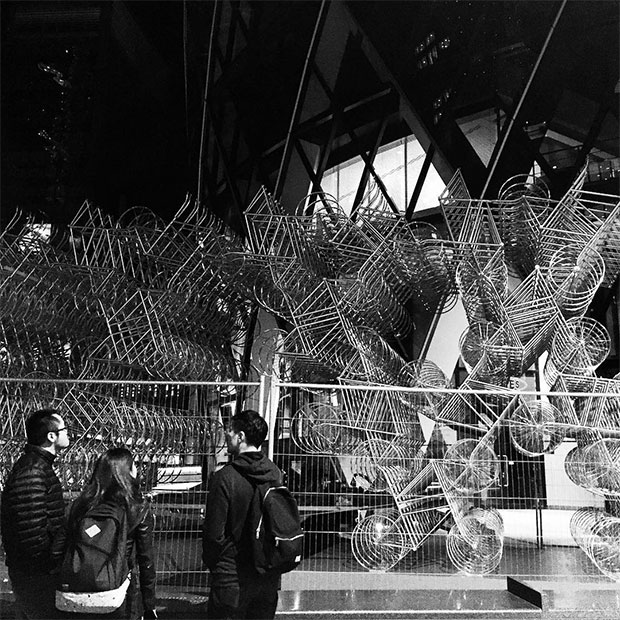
[
  {"x": 377, "y": 491},
  {"x": 487, "y": 496},
  {"x": 175, "y": 431}
]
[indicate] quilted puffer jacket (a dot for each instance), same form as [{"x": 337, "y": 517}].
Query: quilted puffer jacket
[{"x": 32, "y": 511}]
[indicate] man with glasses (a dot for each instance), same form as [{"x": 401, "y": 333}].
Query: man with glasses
[{"x": 32, "y": 511}]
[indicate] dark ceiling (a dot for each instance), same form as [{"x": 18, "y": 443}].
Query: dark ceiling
[{"x": 104, "y": 100}]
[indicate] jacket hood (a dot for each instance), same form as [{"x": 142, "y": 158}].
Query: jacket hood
[{"x": 257, "y": 467}]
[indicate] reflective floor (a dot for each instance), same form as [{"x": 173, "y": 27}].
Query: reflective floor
[
  {"x": 448, "y": 598},
  {"x": 403, "y": 603},
  {"x": 330, "y": 585},
  {"x": 442, "y": 602}
]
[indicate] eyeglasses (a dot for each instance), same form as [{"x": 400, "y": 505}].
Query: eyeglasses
[{"x": 63, "y": 428}]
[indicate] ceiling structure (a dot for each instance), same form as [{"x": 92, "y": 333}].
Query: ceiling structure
[{"x": 293, "y": 88}]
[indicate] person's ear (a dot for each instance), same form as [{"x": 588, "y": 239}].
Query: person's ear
[
  {"x": 241, "y": 436},
  {"x": 51, "y": 436}
]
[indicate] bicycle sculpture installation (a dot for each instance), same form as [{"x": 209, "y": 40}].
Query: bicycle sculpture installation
[
  {"x": 126, "y": 301},
  {"x": 140, "y": 298}
]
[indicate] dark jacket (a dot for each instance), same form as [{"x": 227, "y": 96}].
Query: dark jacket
[
  {"x": 32, "y": 511},
  {"x": 225, "y": 545},
  {"x": 140, "y": 550},
  {"x": 140, "y": 525}
]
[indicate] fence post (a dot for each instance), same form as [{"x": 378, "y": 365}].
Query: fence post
[
  {"x": 267, "y": 411},
  {"x": 539, "y": 525}
]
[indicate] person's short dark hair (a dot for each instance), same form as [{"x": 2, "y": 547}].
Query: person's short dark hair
[
  {"x": 39, "y": 424},
  {"x": 251, "y": 423}
]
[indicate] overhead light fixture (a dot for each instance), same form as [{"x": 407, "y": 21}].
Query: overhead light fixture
[
  {"x": 427, "y": 51},
  {"x": 535, "y": 131}
]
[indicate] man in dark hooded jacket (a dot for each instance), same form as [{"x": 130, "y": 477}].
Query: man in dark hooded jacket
[{"x": 237, "y": 590}]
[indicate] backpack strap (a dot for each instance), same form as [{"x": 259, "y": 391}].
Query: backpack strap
[{"x": 258, "y": 496}]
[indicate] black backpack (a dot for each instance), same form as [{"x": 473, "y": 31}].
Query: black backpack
[
  {"x": 96, "y": 555},
  {"x": 274, "y": 528}
]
